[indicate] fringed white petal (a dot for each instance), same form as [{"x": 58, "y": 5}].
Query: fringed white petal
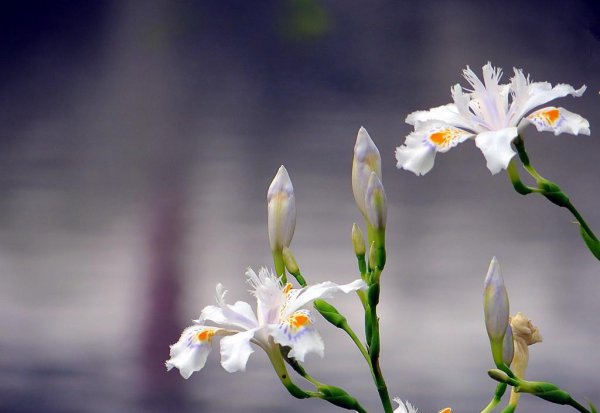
[
  {"x": 496, "y": 147},
  {"x": 239, "y": 314},
  {"x": 402, "y": 408},
  {"x": 189, "y": 354},
  {"x": 269, "y": 295},
  {"x": 235, "y": 351},
  {"x": 557, "y": 120},
  {"x": 298, "y": 333},
  {"x": 539, "y": 93},
  {"x": 450, "y": 114},
  {"x": 298, "y": 298}
]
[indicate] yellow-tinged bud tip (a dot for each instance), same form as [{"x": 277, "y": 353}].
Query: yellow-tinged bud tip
[
  {"x": 281, "y": 206},
  {"x": 366, "y": 160},
  {"x": 358, "y": 240}
]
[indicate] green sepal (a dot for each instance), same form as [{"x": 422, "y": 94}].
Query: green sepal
[
  {"x": 380, "y": 255},
  {"x": 330, "y": 313},
  {"x": 373, "y": 294},
  {"x": 592, "y": 407},
  {"x": 362, "y": 264},
  {"x": 557, "y": 198},
  {"x": 339, "y": 397},
  {"x": 296, "y": 391},
  {"x": 592, "y": 244}
]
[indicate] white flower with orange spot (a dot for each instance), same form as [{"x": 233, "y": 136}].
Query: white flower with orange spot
[
  {"x": 279, "y": 319},
  {"x": 491, "y": 113}
]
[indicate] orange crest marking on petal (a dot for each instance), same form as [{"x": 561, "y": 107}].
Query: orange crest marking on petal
[
  {"x": 548, "y": 117},
  {"x": 205, "y": 335},
  {"x": 446, "y": 138},
  {"x": 446, "y": 410},
  {"x": 552, "y": 115},
  {"x": 300, "y": 320}
]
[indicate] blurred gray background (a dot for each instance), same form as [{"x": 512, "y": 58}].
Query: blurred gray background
[{"x": 139, "y": 139}]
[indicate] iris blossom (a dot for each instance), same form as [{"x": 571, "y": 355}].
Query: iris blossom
[
  {"x": 279, "y": 319},
  {"x": 493, "y": 114}
]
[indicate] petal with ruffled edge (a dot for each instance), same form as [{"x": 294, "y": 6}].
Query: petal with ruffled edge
[
  {"x": 496, "y": 147},
  {"x": 529, "y": 95},
  {"x": 238, "y": 315},
  {"x": 450, "y": 114},
  {"x": 190, "y": 352},
  {"x": 557, "y": 120},
  {"x": 404, "y": 408},
  {"x": 418, "y": 152},
  {"x": 235, "y": 351},
  {"x": 298, "y": 333},
  {"x": 417, "y": 159},
  {"x": 296, "y": 298}
]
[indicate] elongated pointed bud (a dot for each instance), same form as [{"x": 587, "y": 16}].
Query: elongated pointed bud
[
  {"x": 292, "y": 266},
  {"x": 366, "y": 160},
  {"x": 376, "y": 203},
  {"x": 500, "y": 376},
  {"x": 330, "y": 313},
  {"x": 290, "y": 261},
  {"x": 496, "y": 310},
  {"x": 372, "y": 256},
  {"x": 358, "y": 241},
  {"x": 281, "y": 210},
  {"x": 508, "y": 347},
  {"x": 339, "y": 397}
]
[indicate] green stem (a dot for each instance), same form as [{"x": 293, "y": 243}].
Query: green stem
[
  {"x": 277, "y": 361},
  {"x": 552, "y": 192},
  {"x": 573, "y": 403},
  {"x": 374, "y": 347},
  {"x": 279, "y": 265},
  {"x": 500, "y": 389}
]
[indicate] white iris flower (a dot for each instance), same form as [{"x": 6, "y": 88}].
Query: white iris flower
[
  {"x": 279, "y": 319},
  {"x": 491, "y": 113}
]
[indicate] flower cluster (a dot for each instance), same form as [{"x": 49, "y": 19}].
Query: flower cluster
[{"x": 492, "y": 114}]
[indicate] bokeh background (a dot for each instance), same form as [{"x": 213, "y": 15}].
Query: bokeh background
[{"x": 138, "y": 139}]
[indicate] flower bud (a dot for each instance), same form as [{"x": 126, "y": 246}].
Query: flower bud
[
  {"x": 376, "y": 203},
  {"x": 495, "y": 308},
  {"x": 290, "y": 261},
  {"x": 495, "y": 303},
  {"x": 499, "y": 376},
  {"x": 372, "y": 256},
  {"x": 358, "y": 241},
  {"x": 330, "y": 313},
  {"x": 508, "y": 347},
  {"x": 366, "y": 160},
  {"x": 281, "y": 210}
]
